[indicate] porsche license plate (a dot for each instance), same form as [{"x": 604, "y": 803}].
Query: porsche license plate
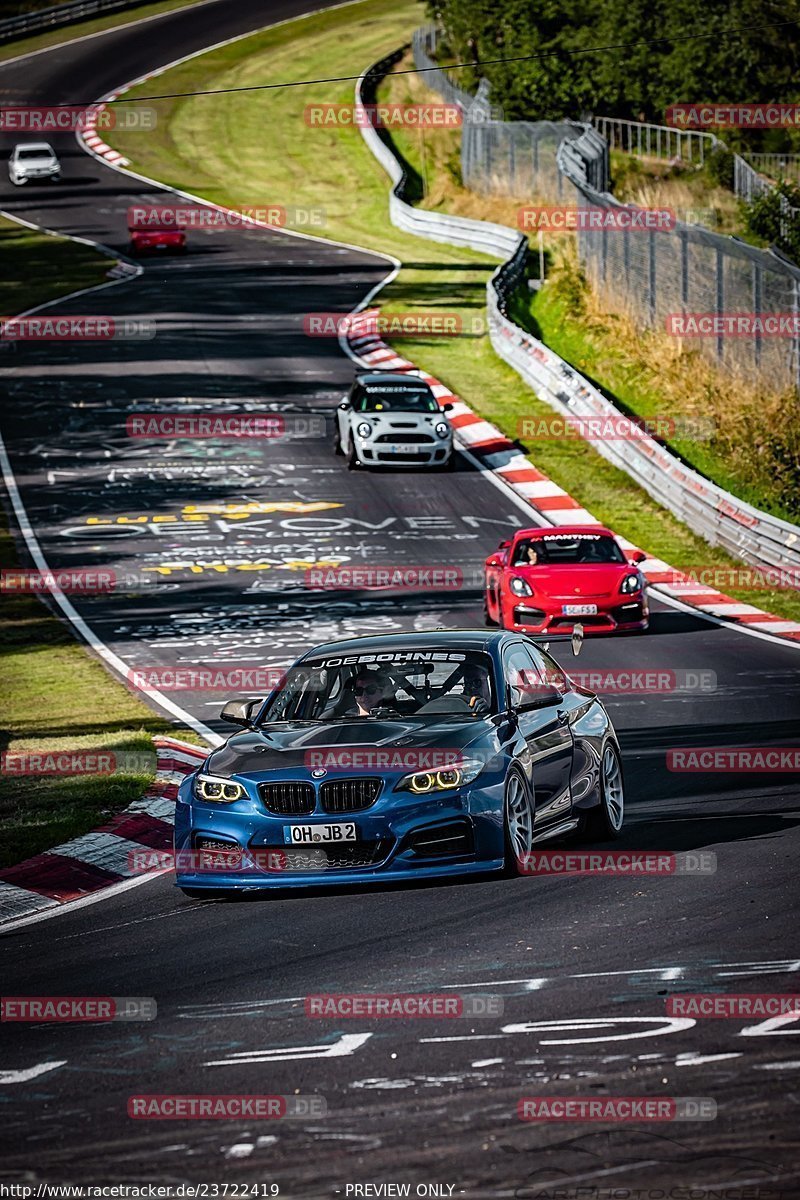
[
  {"x": 319, "y": 835},
  {"x": 578, "y": 610}
]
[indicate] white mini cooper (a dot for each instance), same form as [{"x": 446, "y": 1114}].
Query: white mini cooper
[{"x": 393, "y": 419}]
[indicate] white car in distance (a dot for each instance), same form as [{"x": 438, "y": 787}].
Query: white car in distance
[
  {"x": 391, "y": 419},
  {"x": 33, "y": 160}
]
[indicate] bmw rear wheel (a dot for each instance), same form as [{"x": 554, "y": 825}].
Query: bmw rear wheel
[
  {"x": 518, "y": 822},
  {"x": 605, "y": 821}
]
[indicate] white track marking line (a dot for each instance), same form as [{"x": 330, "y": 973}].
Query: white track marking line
[{"x": 28, "y": 1073}]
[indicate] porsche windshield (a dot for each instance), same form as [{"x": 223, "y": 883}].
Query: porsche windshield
[
  {"x": 410, "y": 683},
  {"x": 566, "y": 548},
  {"x": 395, "y": 400}
]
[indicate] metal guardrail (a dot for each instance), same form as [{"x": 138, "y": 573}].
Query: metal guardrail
[
  {"x": 718, "y": 516},
  {"x": 59, "y": 14}
]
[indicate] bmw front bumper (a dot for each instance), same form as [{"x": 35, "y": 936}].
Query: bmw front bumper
[{"x": 400, "y": 837}]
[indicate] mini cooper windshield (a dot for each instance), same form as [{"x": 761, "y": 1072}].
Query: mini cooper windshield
[
  {"x": 395, "y": 400},
  {"x": 420, "y": 684}
]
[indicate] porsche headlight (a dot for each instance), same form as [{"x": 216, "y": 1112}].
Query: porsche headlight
[
  {"x": 520, "y": 586},
  {"x": 631, "y": 583},
  {"x": 218, "y": 789},
  {"x": 442, "y": 429},
  {"x": 363, "y": 429},
  {"x": 446, "y": 779}
]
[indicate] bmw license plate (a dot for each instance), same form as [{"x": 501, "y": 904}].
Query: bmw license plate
[
  {"x": 578, "y": 610},
  {"x": 316, "y": 835}
]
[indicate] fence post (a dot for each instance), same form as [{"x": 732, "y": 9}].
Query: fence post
[
  {"x": 651, "y": 275},
  {"x": 720, "y": 307},
  {"x": 684, "y": 236},
  {"x": 757, "y": 302}
]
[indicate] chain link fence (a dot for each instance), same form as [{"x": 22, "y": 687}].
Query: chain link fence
[{"x": 654, "y": 275}]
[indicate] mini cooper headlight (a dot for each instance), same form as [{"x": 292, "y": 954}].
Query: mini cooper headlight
[
  {"x": 422, "y": 783},
  {"x": 520, "y": 586},
  {"x": 442, "y": 429},
  {"x": 363, "y": 429},
  {"x": 632, "y": 583},
  {"x": 218, "y": 789}
]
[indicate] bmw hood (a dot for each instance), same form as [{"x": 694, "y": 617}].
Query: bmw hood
[{"x": 357, "y": 747}]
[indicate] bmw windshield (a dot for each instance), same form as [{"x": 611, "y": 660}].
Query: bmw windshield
[{"x": 421, "y": 683}]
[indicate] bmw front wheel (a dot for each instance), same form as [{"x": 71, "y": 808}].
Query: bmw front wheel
[
  {"x": 605, "y": 821},
  {"x": 518, "y": 822}
]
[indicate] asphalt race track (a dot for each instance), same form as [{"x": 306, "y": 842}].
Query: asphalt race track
[{"x": 583, "y": 964}]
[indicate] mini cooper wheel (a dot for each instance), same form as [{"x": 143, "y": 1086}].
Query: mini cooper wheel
[
  {"x": 352, "y": 458},
  {"x": 605, "y": 821},
  {"x": 518, "y": 824},
  {"x": 337, "y": 439}
]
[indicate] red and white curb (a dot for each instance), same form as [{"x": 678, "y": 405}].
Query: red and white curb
[
  {"x": 92, "y": 139},
  {"x": 102, "y": 858},
  {"x": 498, "y": 454}
]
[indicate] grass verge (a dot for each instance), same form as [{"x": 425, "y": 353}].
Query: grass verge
[
  {"x": 54, "y": 695},
  {"x": 263, "y": 138}
]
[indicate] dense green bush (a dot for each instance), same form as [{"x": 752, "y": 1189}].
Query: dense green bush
[{"x": 765, "y": 219}]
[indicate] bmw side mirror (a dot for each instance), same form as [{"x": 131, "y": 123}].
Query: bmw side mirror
[
  {"x": 577, "y": 640},
  {"x": 241, "y": 712},
  {"x": 524, "y": 700}
]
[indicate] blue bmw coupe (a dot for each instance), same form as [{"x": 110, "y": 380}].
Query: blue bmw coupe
[{"x": 397, "y": 758}]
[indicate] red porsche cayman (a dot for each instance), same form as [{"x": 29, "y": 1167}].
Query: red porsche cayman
[{"x": 549, "y": 580}]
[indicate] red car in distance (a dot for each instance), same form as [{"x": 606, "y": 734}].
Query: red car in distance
[
  {"x": 155, "y": 239},
  {"x": 545, "y": 581}
]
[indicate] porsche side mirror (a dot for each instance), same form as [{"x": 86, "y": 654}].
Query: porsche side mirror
[
  {"x": 241, "y": 712},
  {"x": 577, "y": 640},
  {"x": 638, "y": 556},
  {"x": 504, "y": 545}
]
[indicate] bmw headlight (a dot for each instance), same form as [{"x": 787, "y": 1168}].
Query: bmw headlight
[
  {"x": 446, "y": 779},
  {"x": 632, "y": 583},
  {"x": 520, "y": 586},
  {"x": 363, "y": 429},
  {"x": 218, "y": 789},
  {"x": 442, "y": 429}
]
